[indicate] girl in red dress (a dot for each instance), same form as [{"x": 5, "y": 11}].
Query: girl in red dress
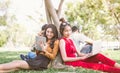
[{"x": 69, "y": 54}]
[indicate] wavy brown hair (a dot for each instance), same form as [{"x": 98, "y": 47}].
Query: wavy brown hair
[{"x": 55, "y": 32}]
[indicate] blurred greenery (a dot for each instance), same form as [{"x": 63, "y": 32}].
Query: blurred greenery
[
  {"x": 93, "y": 15},
  {"x": 3, "y": 37},
  {"x": 13, "y": 33},
  {"x": 97, "y": 18},
  {"x": 3, "y": 8},
  {"x": 3, "y": 21}
]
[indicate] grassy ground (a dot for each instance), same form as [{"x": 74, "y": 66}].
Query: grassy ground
[{"x": 9, "y": 56}]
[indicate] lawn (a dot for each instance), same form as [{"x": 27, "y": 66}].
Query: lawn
[{"x": 9, "y": 56}]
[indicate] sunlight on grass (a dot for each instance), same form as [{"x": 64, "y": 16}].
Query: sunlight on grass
[
  {"x": 11, "y": 56},
  {"x": 114, "y": 54}
]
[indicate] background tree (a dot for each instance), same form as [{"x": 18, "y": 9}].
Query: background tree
[
  {"x": 94, "y": 16},
  {"x": 3, "y": 21}
]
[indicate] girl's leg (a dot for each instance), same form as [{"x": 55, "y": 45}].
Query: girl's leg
[
  {"x": 96, "y": 66},
  {"x": 14, "y": 65},
  {"x": 100, "y": 58},
  {"x": 106, "y": 68}
]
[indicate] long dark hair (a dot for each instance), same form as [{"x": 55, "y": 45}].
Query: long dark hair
[
  {"x": 55, "y": 32},
  {"x": 63, "y": 25}
]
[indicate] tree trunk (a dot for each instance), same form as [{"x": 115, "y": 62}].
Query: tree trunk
[
  {"x": 49, "y": 20},
  {"x": 53, "y": 13},
  {"x": 60, "y": 8}
]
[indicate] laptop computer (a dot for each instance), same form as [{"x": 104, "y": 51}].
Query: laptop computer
[{"x": 97, "y": 48}]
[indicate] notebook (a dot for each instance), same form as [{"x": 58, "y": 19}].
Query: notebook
[{"x": 38, "y": 40}]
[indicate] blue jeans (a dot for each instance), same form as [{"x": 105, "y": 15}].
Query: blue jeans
[
  {"x": 86, "y": 49},
  {"x": 31, "y": 55}
]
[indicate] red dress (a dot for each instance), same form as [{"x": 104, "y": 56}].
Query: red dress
[{"x": 97, "y": 62}]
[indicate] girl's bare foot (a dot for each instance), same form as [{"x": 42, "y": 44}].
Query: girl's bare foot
[{"x": 117, "y": 65}]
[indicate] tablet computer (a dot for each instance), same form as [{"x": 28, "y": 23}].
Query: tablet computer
[{"x": 39, "y": 39}]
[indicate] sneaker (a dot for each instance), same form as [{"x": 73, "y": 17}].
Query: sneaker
[
  {"x": 23, "y": 57},
  {"x": 27, "y": 57}
]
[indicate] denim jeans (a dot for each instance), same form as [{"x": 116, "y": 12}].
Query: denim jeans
[{"x": 86, "y": 49}]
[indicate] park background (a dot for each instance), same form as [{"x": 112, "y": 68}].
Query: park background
[{"x": 21, "y": 20}]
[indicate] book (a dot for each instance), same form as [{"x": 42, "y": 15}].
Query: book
[{"x": 39, "y": 39}]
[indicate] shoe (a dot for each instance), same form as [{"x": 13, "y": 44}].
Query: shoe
[
  {"x": 23, "y": 57},
  {"x": 27, "y": 57}
]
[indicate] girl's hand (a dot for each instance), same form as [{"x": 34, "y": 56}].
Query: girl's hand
[
  {"x": 89, "y": 54},
  {"x": 86, "y": 56},
  {"x": 43, "y": 46}
]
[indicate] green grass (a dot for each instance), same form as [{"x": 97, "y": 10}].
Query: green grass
[{"x": 9, "y": 56}]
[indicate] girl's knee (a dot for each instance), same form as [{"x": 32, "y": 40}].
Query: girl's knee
[
  {"x": 99, "y": 55},
  {"x": 17, "y": 63}
]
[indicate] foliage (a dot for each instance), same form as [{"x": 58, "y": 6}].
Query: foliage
[
  {"x": 16, "y": 33},
  {"x": 3, "y": 37},
  {"x": 18, "y": 36},
  {"x": 3, "y": 20},
  {"x": 3, "y": 9},
  {"x": 91, "y": 14}
]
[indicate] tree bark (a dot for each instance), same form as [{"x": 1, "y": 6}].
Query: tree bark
[
  {"x": 49, "y": 20},
  {"x": 60, "y": 8},
  {"x": 53, "y": 13}
]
